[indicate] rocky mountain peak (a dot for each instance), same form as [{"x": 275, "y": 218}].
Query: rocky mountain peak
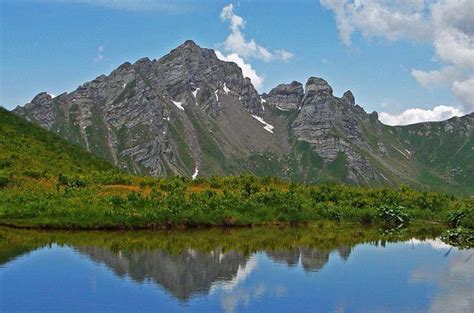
[
  {"x": 189, "y": 50},
  {"x": 42, "y": 98},
  {"x": 143, "y": 62},
  {"x": 348, "y": 98},
  {"x": 317, "y": 86},
  {"x": 192, "y": 70},
  {"x": 285, "y": 97},
  {"x": 40, "y": 108},
  {"x": 189, "y": 45}
]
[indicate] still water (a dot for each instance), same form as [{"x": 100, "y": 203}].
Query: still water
[{"x": 305, "y": 269}]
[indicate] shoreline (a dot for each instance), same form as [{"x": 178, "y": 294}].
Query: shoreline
[{"x": 184, "y": 226}]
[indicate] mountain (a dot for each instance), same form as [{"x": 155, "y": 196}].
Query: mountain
[
  {"x": 29, "y": 150},
  {"x": 189, "y": 113}
]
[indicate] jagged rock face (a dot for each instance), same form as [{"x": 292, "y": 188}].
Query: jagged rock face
[
  {"x": 348, "y": 98},
  {"x": 191, "y": 113},
  {"x": 41, "y": 107},
  {"x": 332, "y": 127},
  {"x": 285, "y": 97},
  {"x": 125, "y": 117},
  {"x": 189, "y": 68}
]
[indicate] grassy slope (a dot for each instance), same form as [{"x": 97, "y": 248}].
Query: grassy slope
[
  {"x": 445, "y": 157},
  {"x": 48, "y": 182},
  {"x": 28, "y": 149}
]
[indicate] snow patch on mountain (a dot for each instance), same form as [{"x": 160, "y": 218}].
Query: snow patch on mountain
[
  {"x": 226, "y": 90},
  {"x": 178, "y": 104},
  {"x": 195, "y": 92},
  {"x": 267, "y": 127},
  {"x": 196, "y": 172},
  {"x": 406, "y": 156}
]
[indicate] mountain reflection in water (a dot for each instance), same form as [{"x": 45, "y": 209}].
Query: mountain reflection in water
[
  {"x": 183, "y": 274},
  {"x": 193, "y": 272},
  {"x": 303, "y": 268}
]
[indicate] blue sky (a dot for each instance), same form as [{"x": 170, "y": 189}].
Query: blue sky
[{"x": 56, "y": 45}]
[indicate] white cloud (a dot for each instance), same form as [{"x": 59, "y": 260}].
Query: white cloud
[
  {"x": 247, "y": 69},
  {"x": 236, "y": 42},
  {"x": 447, "y": 24},
  {"x": 414, "y": 115},
  {"x": 100, "y": 54},
  {"x": 436, "y": 78},
  {"x": 453, "y": 24},
  {"x": 464, "y": 90},
  {"x": 392, "y": 20},
  {"x": 283, "y": 55}
]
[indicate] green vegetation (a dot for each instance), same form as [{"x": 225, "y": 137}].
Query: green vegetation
[
  {"x": 28, "y": 151},
  {"x": 459, "y": 237},
  {"x": 46, "y": 182},
  {"x": 442, "y": 150},
  {"x": 121, "y": 201},
  {"x": 322, "y": 235}
]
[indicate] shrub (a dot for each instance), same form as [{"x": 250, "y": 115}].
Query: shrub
[
  {"x": 74, "y": 182},
  {"x": 333, "y": 213},
  {"x": 461, "y": 217},
  {"x": 112, "y": 178},
  {"x": 214, "y": 182},
  {"x": 367, "y": 215},
  {"x": 35, "y": 174},
  {"x": 5, "y": 164},
  {"x": 393, "y": 215},
  {"x": 4, "y": 180}
]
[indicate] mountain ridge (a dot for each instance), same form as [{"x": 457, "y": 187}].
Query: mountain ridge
[{"x": 189, "y": 113}]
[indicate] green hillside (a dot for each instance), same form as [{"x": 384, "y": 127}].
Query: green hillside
[
  {"x": 443, "y": 152},
  {"x": 29, "y": 150}
]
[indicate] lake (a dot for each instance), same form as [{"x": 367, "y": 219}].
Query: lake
[{"x": 316, "y": 268}]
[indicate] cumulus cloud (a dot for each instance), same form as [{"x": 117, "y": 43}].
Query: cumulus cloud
[
  {"x": 237, "y": 43},
  {"x": 414, "y": 115},
  {"x": 100, "y": 54},
  {"x": 453, "y": 25},
  {"x": 393, "y": 20},
  {"x": 436, "y": 78},
  {"x": 453, "y": 41},
  {"x": 247, "y": 69},
  {"x": 464, "y": 90},
  {"x": 447, "y": 24},
  {"x": 239, "y": 49}
]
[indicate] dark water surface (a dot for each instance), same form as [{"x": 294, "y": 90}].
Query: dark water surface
[{"x": 323, "y": 268}]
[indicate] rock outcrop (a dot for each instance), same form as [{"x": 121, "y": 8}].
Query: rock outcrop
[
  {"x": 285, "y": 97},
  {"x": 332, "y": 127}
]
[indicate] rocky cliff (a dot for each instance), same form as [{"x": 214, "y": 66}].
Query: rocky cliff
[{"x": 191, "y": 114}]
